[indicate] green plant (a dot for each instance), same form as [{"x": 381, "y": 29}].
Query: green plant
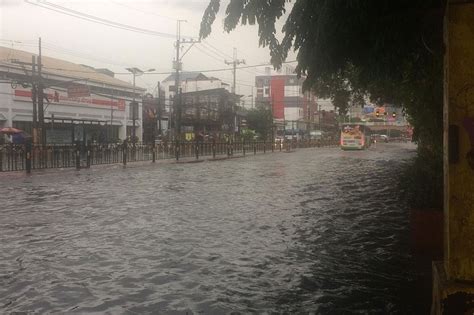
[{"x": 421, "y": 184}]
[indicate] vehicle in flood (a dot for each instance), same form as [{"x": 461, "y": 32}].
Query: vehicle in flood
[{"x": 354, "y": 137}]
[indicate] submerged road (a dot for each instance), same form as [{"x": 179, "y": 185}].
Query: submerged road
[{"x": 314, "y": 231}]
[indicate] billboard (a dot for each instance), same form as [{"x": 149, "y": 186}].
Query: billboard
[{"x": 78, "y": 90}]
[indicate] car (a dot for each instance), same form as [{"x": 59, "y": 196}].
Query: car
[{"x": 380, "y": 138}]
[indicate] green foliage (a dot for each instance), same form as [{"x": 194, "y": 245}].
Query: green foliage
[
  {"x": 248, "y": 134},
  {"x": 350, "y": 48},
  {"x": 260, "y": 120},
  {"x": 389, "y": 50},
  {"x": 421, "y": 183}
]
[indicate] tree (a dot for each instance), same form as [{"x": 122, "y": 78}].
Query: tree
[
  {"x": 387, "y": 49},
  {"x": 260, "y": 120}
]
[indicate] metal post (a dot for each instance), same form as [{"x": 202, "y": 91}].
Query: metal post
[
  {"x": 88, "y": 155},
  {"x": 176, "y": 149},
  {"x": 124, "y": 152},
  {"x": 78, "y": 156},
  {"x": 243, "y": 146},
  {"x": 196, "y": 150},
  {"x": 264, "y": 146},
  {"x": 154, "y": 153},
  {"x": 1, "y": 157},
  {"x": 27, "y": 156},
  {"x": 254, "y": 148},
  {"x": 213, "y": 148}
]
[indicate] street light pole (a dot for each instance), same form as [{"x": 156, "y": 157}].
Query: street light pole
[
  {"x": 135, "y": 72},
  {"x": 133, "y": 109}
]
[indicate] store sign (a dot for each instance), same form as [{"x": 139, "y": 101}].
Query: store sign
[
  {"x": 62, "y": 98},
  {"x": 78, "y": 90}
]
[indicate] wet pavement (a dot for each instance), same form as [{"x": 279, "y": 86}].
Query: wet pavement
[{"x": 314, "y": 231}]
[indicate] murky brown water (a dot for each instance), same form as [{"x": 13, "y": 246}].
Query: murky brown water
[{"x": 315, "y": 231}]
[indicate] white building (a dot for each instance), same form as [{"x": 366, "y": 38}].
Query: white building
[
  {"x": 190, "y": 82},
  {"x": 102, "y": 114}
]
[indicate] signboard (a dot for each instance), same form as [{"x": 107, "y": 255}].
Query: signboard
[
  {"x": 78, "y": 90},
  {"x": 368, "y": 109},
  {"x": 63, "y": 99}
]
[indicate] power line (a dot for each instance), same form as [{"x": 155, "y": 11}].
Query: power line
[
  {"x": 192, "y": 71},
  {"x": 208, "y": 54},
  {"x": 218, "y": 52},
  {"x": 65, "y": 51},
  {"x": 143, "y": 11},
  {"x": 91, "y": 18}
]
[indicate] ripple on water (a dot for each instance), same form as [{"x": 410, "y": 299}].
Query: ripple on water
[{"x": 316, "y": 231}]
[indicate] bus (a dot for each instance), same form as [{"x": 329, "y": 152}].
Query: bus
[{"x": 354, "y": 136}]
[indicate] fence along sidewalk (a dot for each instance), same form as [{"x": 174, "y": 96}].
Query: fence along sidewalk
[{"x": 14, "y": 157}]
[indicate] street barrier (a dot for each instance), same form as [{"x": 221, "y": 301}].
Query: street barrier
[{"x": 28, "y": 157}]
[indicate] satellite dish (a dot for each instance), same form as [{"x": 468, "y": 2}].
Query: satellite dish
[{"x": 14, "y": 84}]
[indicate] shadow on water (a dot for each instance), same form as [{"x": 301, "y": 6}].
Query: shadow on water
[{"x": 354, "y": 239}]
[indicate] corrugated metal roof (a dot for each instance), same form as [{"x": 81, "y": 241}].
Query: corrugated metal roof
[
  {"x": 183, "y": 76},
  {"x": 60, "y": 67}
]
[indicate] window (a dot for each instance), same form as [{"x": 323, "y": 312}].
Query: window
[
  {"x": 266, "y": 91},
  {"x": 171, "y": 88}
]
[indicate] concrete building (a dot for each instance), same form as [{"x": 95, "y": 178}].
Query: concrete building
[
  {"x": 190, "y": 82},
  {"x": 298, "y": 111},
  {"x": 214, "y": 112},
  {"x": 101, "y": 113}
]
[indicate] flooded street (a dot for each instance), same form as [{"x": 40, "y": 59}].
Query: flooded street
[{"x": 313, "y": 231}]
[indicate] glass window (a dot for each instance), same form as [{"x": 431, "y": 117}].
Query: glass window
[{"x": 266, "y": 91}]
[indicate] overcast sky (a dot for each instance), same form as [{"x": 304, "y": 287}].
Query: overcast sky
[{"x": 97, "y": 45}]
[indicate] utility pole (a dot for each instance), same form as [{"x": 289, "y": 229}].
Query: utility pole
[
  {"x": 41, "y": 130},
  {"x": 234, "y": 62},
  {"x": 271, "y": 111},
  {"x": 133, "y": 110},
  {"x": 158, "y": 95},
  {"x": 134, "y": 105},
  {"x": 34, "y": 97},
  {"x": 112, "y": 118},
  {"x": 178, "y": 67}
]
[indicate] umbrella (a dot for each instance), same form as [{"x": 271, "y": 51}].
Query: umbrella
[{"x": 10, "y": 130}]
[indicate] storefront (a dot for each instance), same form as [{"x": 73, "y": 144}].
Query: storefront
[{"x": 98, "y": 113}]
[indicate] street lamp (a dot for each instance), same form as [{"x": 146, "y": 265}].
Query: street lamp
[{"x": 136, "y": 73}]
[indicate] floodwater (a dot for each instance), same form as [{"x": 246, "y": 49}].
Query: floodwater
[{"x": 315, "y": 231}]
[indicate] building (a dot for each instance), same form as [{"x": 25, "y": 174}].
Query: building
[
  {"x": 213, "y": 111},
  {"x": 295, "y": 111},
  {"x": 81, "y": 103},
  {"x": 190, "y": 82}
]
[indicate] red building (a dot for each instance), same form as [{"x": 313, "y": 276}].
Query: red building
[{"x": 283, "y": 94}]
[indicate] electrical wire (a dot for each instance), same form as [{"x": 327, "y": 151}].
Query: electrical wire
[
  {"x": 171, "y": 72},
  {"x": 143, "y": 11},
  {"x": 91, "y": 18}
]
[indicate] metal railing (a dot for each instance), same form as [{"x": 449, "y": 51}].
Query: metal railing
[{"x": 27, "y": 157}]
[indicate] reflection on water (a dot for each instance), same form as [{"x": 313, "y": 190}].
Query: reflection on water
[{"x": 318, "y": 230}]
